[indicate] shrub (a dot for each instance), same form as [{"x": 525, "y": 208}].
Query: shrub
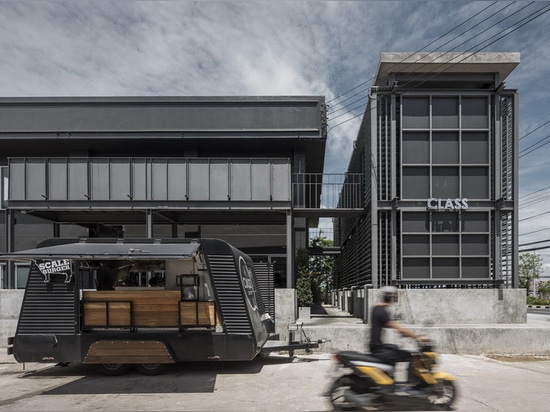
[{"x": 533, "y": 300}]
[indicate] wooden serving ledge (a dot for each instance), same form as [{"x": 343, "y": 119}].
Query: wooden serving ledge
[{"x": 145, "y": 309}]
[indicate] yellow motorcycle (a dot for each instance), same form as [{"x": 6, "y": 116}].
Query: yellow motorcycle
[{"x": 365, "y": 382}]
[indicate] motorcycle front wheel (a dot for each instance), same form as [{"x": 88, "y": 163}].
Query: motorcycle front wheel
[{"x": 444, "y": 396}]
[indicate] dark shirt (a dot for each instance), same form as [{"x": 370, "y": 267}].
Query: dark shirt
[{"x": 379, "y": 319}]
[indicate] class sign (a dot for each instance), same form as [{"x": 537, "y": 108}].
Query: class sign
[{"x": 447, "y": 204}]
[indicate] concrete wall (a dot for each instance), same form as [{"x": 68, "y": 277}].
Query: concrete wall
[
  {"x": 285, "y": 311},
  {"x": 457, "y": 306},
  {"x": 516, "y": 339},
  {"x": 441, "y": 306},
  {"x": 10, "y": 306},
  {"x": 461, "y": 321}
]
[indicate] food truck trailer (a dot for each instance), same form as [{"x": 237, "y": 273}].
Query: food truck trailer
[{"x": 143, "y": 303}]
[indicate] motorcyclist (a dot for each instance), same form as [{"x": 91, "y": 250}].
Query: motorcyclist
[{"x": 386, "y": 352}]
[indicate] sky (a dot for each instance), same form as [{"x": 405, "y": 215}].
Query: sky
[{"x": 283, "y": 47}]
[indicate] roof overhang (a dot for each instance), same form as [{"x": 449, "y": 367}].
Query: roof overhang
[
  {"x": 434, "y": 63},
  {"x": 108, "y": 251}
]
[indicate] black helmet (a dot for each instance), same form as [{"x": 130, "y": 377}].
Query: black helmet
[{"x": 389, "y": 294}]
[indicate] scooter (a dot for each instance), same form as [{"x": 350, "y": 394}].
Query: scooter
[{"x": 365, "y": 382}]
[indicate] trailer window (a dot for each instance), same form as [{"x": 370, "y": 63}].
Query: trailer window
[{"x": 21, "y": 275}]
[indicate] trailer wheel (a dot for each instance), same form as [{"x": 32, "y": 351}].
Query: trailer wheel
[
  {"x": 115, "y": 369},
  {"x": 152, "y": 369}
]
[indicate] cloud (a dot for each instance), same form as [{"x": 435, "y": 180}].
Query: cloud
[{"x": 214, "y": 48}]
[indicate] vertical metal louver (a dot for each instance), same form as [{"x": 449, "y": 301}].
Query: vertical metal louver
[
  {"x": 507, "y": 188},
  {"x": 264, "y": 280},
  {"x": 225, "y": 276},
  {"x": 48, "y": 307}
]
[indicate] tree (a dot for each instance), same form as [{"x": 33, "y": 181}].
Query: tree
[
  {"x": 321, "y": 269},
  {"x": 530, "y": 268},
  {"x": 544, "y": 290},
  {"x": 313, "y": 274},
  {"x": 303, "y": 278}
]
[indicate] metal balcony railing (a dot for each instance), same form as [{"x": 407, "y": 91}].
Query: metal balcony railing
[{"x": 327, "y": 191}]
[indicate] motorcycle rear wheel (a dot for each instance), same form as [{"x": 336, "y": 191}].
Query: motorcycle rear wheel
[
  {"x": 445, "y": 396},
  {"x": 337, "y": 399}
]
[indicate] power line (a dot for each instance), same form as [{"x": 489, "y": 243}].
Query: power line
[
  {"x": 532, "y": 217},
  {"x": 464, "y": 42},
  {"x": 534, "y": 231},
  {"x": 524, "y": 153},
  {"x": 524, "y": 21},
  {"x": 412, "y": 54},
  {"x": 533, "y": 249}
]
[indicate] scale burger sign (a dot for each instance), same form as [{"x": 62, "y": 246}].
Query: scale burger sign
[{"x": 56, "y": 267}]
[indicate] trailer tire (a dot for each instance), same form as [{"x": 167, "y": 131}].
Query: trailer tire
[
  {"x": 115, "y": 369},
  {"x": 152, "y": 369}
]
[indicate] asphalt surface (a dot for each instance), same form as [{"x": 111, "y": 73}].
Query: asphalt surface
[
  {"x": 273, "y": 383},
  {"x": 268, "y": 383}
]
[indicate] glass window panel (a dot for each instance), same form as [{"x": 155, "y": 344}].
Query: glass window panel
[
  {"x": 445, "y": 148},
  {"x": 416, "y": 222},
  {"x": 475, "y": 222},
  {"x": 416, "y": 113},
  {"x": 445, "y": 112},
  {"x": 475, "y": 245},
  {"x": 416, "y": 268},
  {"x": 445, "y": 268},
  {"x": 475, "y": 268},
  {"x": 475, "y": 182},
  {"x": 416, "y": 245},
  {"x": 3, "y": 187},
  {"x": 445, "y": 222},
  {"x": 445, "y": 182},
  {"x": 445, "y": 245},
  {"x": 416, "y": 147},
  {"x": 475, "y": 147},
  {"x": 21, "y": 276},
  {"x": 474, "y": 113},
  {"x": 416, "y": 183}
]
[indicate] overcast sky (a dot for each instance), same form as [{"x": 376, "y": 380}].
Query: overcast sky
[{"x": 329, "y": 48}]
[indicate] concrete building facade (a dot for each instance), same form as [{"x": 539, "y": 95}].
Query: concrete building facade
[
  {"x": 438, "y": 150},
  {"x": 161, "y": 167}
]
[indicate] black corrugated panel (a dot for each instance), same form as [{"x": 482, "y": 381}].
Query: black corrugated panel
[
  {"x": 48, "y": 307},
  {"x": 264, "y": 281},
  {"x": 230, "y": 296}
]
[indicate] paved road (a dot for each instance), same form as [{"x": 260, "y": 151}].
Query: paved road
[{"x": 274, "y": 383}]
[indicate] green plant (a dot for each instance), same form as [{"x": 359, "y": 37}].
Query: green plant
[
  {"x": 533, "y": 300},
  {"x": 530, "y": 268},
  {"x": 303, "y": 279}
]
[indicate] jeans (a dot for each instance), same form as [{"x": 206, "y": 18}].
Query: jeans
[{"x": 391, "y": 354}]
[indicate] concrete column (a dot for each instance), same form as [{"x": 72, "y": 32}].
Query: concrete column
[
  {"x": 373, "y": 173},
  {"x": 56, "y": 230},
  {"x": 149, "y": 223},
  {"x": 10, "y": 247},
  {"x": 289, "y": 250}
]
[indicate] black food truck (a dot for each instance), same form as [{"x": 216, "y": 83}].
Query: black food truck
[{"x": 146, "y": 303}]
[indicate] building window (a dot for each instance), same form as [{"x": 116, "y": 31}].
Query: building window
[
  {"x": 442, "y": 156},
  {"x": 3, "y": 186},
  {"x": 416, "y": 113},
  {"x": 445, "y": 245}
]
